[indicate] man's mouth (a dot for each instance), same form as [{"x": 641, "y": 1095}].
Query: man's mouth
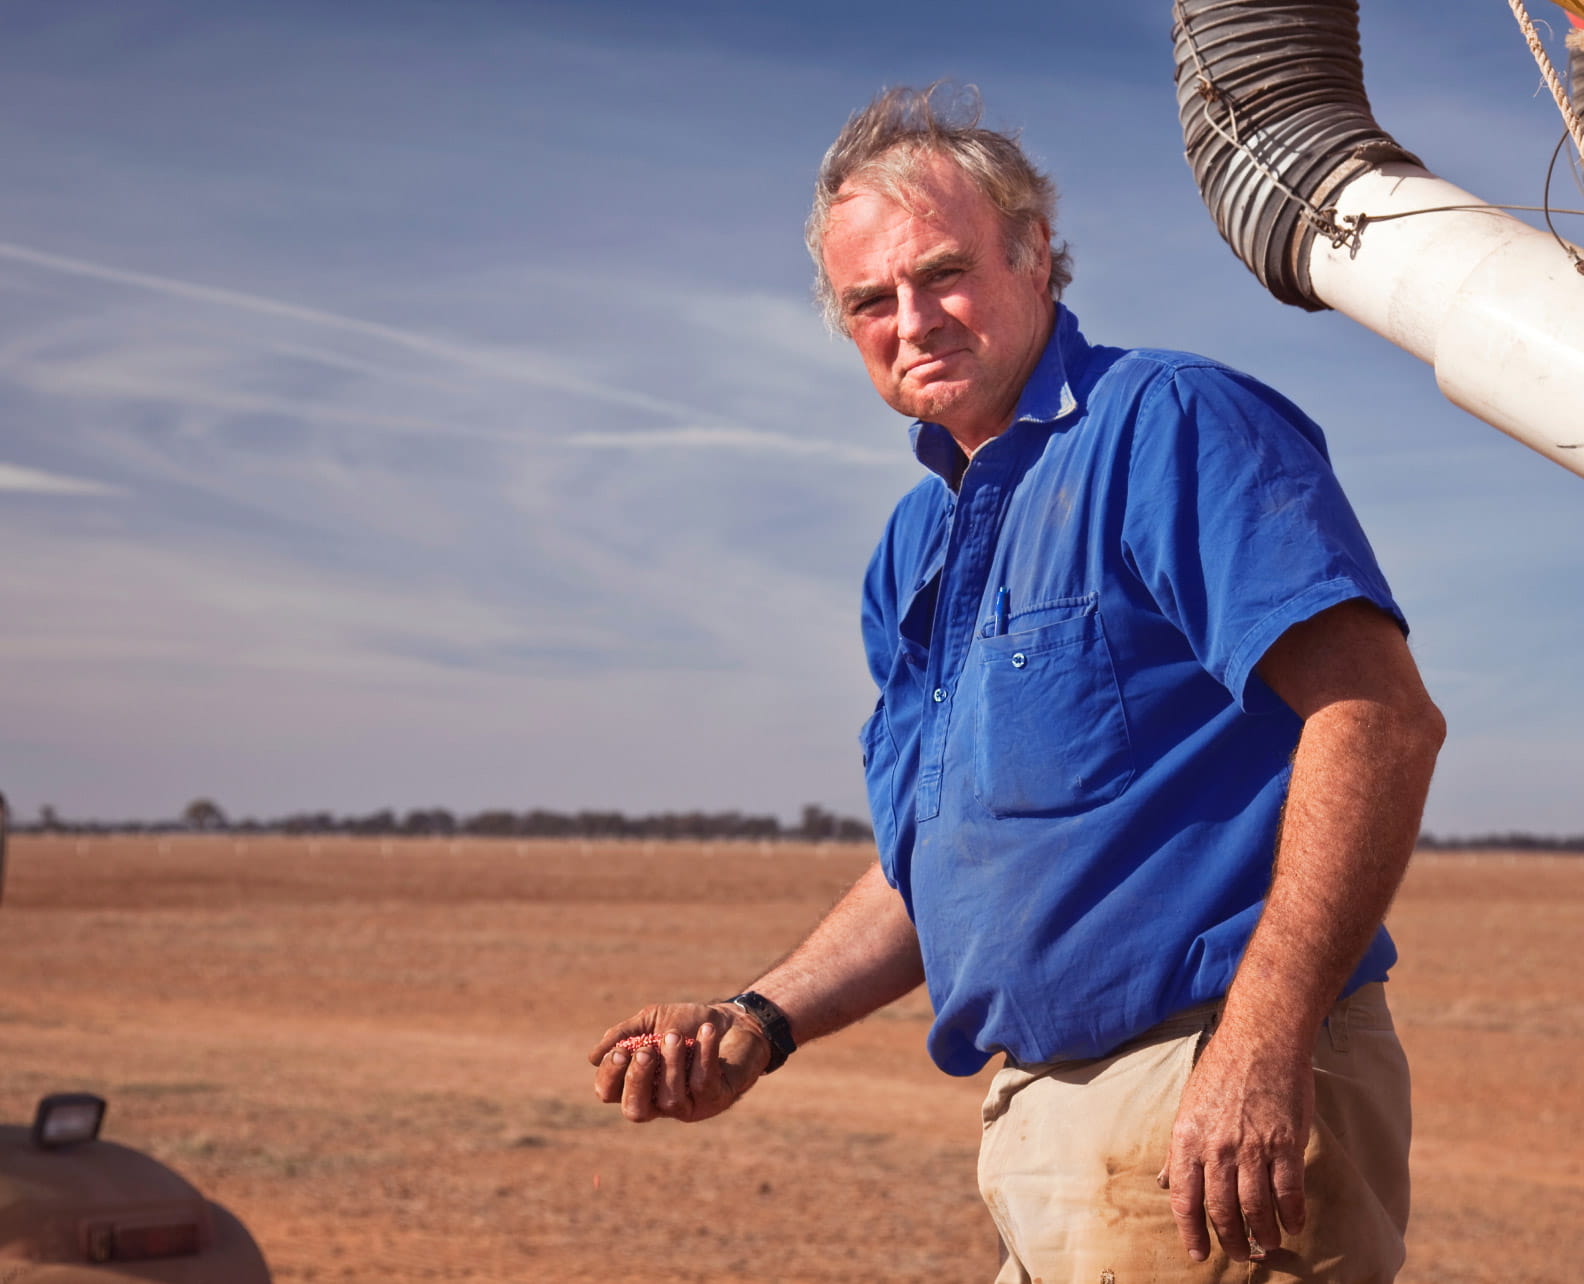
[{"x": 927, "y": 367}]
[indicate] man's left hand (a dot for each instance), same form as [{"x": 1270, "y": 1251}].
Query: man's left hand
[{"x": 1237, "y": 1149}]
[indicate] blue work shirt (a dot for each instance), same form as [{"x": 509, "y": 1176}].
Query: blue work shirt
[{"x": 1075, "y": 774}]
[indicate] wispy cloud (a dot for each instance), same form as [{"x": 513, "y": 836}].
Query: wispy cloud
[
  {"x": 121, "y": 382},
  {"x": 517, "y": 366},
  {"x": 34, "y": 481},
  {"x": 745, "y": 440},
  {"x": 767, "y": 352}
]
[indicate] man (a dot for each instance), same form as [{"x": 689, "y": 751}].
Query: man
[{"x": 1130, "y": 644}]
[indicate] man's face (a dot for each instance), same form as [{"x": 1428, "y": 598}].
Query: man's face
[{"x": 948, "y": 331}]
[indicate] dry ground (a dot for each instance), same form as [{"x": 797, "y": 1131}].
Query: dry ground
[{"x": 373, "y": 1052}]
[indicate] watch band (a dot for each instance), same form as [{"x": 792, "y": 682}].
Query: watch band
[{"x": 773, "y": 1021}]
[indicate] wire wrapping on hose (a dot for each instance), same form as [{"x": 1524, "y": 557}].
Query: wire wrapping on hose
[{"x": 1275, "y": 118}]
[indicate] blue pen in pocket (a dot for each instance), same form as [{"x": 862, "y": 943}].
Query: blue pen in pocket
[{"x": 1001, "y": 610}]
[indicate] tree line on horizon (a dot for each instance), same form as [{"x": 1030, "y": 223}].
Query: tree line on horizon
[
  {"x": 1509, "y": 842},
  {"x": 204, "y": 815},
  {"x": 815, "y": 824}
]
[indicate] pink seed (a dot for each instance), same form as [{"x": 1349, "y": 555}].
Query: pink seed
[{"x": 635, "y": 1041}]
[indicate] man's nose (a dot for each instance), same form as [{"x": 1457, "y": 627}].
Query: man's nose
[{"x": 919, "y": 315}]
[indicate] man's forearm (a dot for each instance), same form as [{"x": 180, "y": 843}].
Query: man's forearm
[
  {"x": 697, "y": 1059},
  {"x": 862, "y": 955},
  {"x": 1357, "y": 792}
]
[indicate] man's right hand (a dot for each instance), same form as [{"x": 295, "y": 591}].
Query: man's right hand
[{"x": 671, "y": 1079}]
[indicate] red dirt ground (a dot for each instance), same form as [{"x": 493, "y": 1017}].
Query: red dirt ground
[{"x": 373, "y": 1052}]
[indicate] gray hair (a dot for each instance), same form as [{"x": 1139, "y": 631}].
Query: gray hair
[{"x": 883, "y": 149}]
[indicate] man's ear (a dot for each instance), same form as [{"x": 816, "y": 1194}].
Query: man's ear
[{"x": 1042, "y": 253}]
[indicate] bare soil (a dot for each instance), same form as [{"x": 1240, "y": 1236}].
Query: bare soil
[{"x": 374, "y": 1052}]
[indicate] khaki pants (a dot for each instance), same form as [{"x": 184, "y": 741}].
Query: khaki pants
[{"x": 1071, "y": 1150}]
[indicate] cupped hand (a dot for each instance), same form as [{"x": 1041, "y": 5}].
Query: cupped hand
[
  {"x": 671, "y": 1080},
  {"x": 1237, "y": 1149}
]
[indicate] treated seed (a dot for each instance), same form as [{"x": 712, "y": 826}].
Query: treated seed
[{"x": 635, "y": 1041}]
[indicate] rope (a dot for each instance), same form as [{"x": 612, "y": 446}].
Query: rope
[
  {"x": 1575, "y": 127},
  {"x": 1575, "y": 47}
]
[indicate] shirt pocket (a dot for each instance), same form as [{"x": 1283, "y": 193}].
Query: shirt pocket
[{"x": 1051, "y": 735}]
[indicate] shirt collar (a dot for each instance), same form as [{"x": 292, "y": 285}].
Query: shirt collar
[{"x": 1046, "y": 398}]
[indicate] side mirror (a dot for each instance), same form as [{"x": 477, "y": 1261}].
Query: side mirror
[{"x": 67, "y": 1119}]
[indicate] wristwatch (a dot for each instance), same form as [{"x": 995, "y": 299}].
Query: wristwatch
[{"x": 773, "y": 1021}]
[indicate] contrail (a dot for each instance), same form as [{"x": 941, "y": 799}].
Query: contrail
[
  {"x": 521, "y": 368},
  {"x": 34, "y": 481}
]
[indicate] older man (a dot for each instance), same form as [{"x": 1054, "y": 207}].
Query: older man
[{"x": 1147, "y": 765}]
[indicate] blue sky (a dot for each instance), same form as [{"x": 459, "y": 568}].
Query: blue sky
[{"x": 409, "y": 404}]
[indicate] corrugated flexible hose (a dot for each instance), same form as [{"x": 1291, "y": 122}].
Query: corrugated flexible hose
[{"x": 1275, "y": 118}]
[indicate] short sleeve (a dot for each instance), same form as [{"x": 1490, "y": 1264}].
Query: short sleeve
[{"x": 1236, "y": 524}]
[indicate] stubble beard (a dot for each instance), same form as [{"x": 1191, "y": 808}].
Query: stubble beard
[{"x": 934, "y": 400}]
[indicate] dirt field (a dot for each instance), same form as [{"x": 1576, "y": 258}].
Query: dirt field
[{"x": 373, "y": 1052}]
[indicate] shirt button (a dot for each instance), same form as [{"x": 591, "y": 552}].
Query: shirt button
[
  {"x": 940, "y": 694},
  {"x": 1019, "y": 660}
]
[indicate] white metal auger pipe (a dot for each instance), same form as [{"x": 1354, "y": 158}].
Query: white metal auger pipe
[
  {"x": 1278, "y": 132},
  {"x": 1496, "y": 306}
]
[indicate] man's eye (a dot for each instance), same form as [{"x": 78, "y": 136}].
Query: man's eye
[
  {"x": 945, "y": 276},
  {"x": 871, "y": 304}
]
